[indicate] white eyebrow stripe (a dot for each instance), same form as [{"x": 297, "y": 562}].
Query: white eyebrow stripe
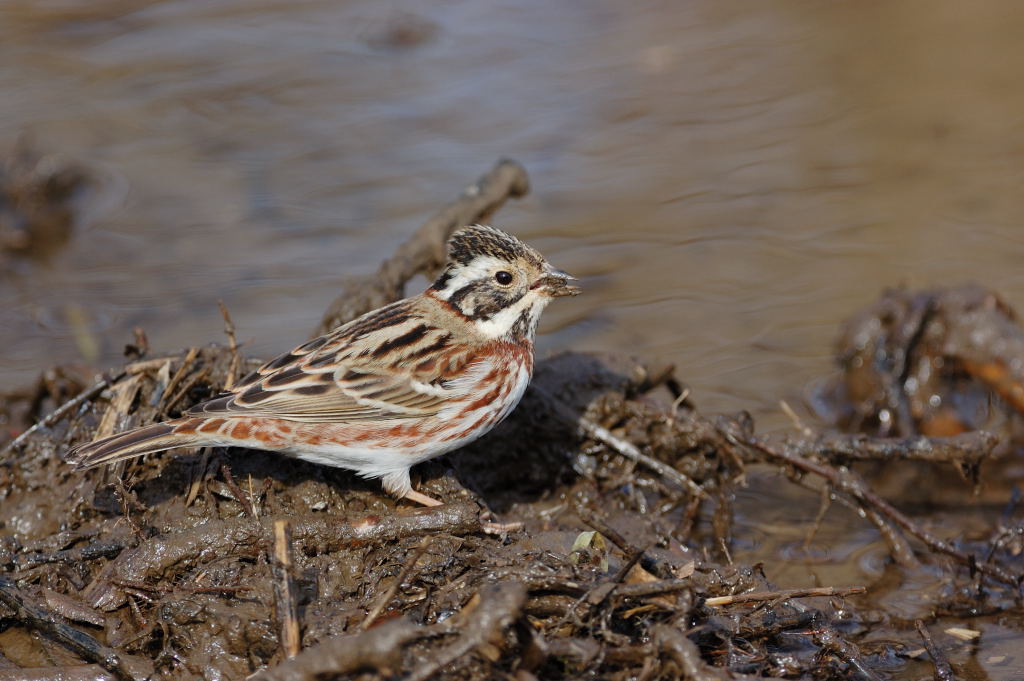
[{"x": 477, "y": 269}]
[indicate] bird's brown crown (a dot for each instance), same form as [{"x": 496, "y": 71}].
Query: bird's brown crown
[{"x": 471, "y": 242}]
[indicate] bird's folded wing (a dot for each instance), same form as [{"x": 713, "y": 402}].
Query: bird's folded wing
[{"x": 348, "y": 395}]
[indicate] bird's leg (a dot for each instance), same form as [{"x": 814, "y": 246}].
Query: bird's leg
[{"x": 398, "y": 484}]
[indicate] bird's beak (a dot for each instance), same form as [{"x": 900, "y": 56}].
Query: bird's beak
[{"x": 556, "y": 284}]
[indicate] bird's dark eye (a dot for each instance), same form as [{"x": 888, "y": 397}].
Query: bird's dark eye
[{"x": 502, "y": 277}]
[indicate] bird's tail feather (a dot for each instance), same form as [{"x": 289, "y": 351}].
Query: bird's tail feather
[{"x": 145, "y": 440}]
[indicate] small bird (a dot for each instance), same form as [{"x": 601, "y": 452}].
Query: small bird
[{"x": 407, "y": 382}]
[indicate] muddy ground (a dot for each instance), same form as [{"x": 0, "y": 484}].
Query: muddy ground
[{"x": 216, "y": 564}]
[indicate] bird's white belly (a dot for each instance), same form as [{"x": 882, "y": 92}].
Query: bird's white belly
[{"x": 379, "y": 458}]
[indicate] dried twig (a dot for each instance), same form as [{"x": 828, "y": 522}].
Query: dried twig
[
  {"x": 783, "y": 594},
  {"x": 795, "y": 418},
  {"x": 167, "y": 554},
  {"x": 966, "y": 449},
  {"x": 386, "y": 597},
  {"x": 499, "y": 606},
  {"x": 145, "y": 365},
  {"x": 77, "y": 672},
  {"x": 424, "y": 251},
  {"x": 684, "y": 652},
  {"x": 237, "y": 492},
  {"x": 34, "y": 615},
  {"x": 379, "y": 648},
  {"x": 616, "y": 444},
  {"x": 171, "y": 394},
  {"x": 852, "y": 484},
  {"x": 121, "y": 397},
  {"x": 229, "y": 331},
  {"x": 633, "y": 554},
  {"x": 613, "y": 535},
  {"x": 661, "y": 586},
  {"x": 60, "y": 412},
  {"x": 78, "y": 555},
  {"x": 198, "y": 474},
  {"x": 193, "y": 380},
  {"x": 284, "y": 589},
  {"x": 943, "y": 670},
  {"x": 899, "y": 546}
]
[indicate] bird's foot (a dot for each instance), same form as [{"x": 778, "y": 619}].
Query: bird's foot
[
  {"x": 486, "y": 525},
  {"x": 421, "y": 498}
]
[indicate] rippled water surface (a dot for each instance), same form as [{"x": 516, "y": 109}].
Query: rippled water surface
[{"x": 730, "y": 179}]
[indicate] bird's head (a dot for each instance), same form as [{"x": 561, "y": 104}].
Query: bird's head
[{"x": 498, "y": 282}]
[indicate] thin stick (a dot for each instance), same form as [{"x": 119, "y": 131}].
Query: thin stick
[
  {"x": 967, "y": 449},
  {"x": 795, "y": 418},
  {"x": 229, "y": 330},
  {"x": 386, "y": 597},
  {"x": 424, "y": 251},
  {"x": 60, "y": 412},
  {"x": 144, "y": 365},
  {"x": 76, "y": 555},
  {"x": 33, "y": 614},
  {"x": 158, "y": 558},
  {"x": 380, "y": 649},
  {"x": 631, "y": 553},
  {"x": 284, "y": 589},
  {"x": 852, "y": 484},
  {"x": 943, "y": 670},
  {"x": 122, "y": 395},
  {"x": 661, "y": 586},
  {"x": 500, "y": 604},
  {"x": 823, "y": 506},
  {"x": 673, "y": 645},
  {"x": 616, "y": 444},
  {"x": 185, "y": 386},
  {"x": 631, "y": 561},
  {"x": 198, "y": 473},
  {"x": 252, "y": 499},
  {"x": 604, "y": 528},
  {"x": 783, "y": 594},
  {"x": 245, "y": 501},
  {"x": 77, "y": 672},
  {"x": 630, "y": 451},
  {"x": 899, "y": 546},
  {"x": 190, "y": 357}
]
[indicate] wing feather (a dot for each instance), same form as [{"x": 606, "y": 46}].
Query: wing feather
[{"x": 356, "y": 373}]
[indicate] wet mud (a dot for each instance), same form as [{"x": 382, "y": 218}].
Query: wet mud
[{"x": 631, "y": 562}]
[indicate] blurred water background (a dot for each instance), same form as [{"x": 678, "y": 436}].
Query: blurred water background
[{"x": 731, "y": 179}]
